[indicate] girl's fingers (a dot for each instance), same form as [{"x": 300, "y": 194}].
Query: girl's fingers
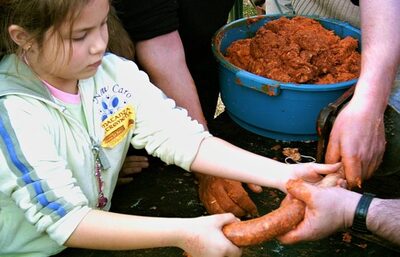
[{"x": 255, "y": 188}]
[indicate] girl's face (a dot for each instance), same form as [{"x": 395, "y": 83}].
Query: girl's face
[{"x": 79, "y": 53}]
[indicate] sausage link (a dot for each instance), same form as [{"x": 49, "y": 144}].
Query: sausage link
[
  {"x": 267, "y": 227},
  {"x": 273, "y": 224}
]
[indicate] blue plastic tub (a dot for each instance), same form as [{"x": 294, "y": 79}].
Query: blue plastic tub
[{"x": 282, "y": 111}]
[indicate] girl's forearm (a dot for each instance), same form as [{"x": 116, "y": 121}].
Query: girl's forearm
[
  {"x": 222, "y": 159},
  {"x": 111, "y": 231}
]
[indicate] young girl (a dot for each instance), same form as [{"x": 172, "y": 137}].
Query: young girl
[{"x": 68, "y": 114}]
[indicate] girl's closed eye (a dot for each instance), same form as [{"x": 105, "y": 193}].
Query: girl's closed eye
[{"x": 79, "y": 38}]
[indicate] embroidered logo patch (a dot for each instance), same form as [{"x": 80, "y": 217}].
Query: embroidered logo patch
[
  {"x": 117, "y": 126},
  {"x": 117, "y": 115}
]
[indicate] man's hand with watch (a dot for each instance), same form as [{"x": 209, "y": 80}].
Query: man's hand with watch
[
  {"x": 328, "y": 210},
  {"x": 361, "y": 212}
]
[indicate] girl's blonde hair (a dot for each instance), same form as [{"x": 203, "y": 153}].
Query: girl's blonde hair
[{"x": 38, "y": 16}]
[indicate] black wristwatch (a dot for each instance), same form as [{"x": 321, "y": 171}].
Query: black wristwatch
[
  {"x": 356, "y": 2},
  {"x": 360, "y": 216}
]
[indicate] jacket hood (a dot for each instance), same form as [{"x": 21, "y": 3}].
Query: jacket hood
[{"x": 17, "y": 78}]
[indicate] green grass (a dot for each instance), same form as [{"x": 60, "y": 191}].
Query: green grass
[{"x": 248, "y": 9}]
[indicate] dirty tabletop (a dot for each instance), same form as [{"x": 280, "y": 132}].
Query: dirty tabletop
[{"x": 168, "y": 191}]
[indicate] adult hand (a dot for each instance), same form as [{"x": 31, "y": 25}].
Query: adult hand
[
  {"x": 357, "y": 140},
  {"x": 132, "y": 165},
  {"x": 220, "y": 195},
  {"x": 320, "y": 219}
]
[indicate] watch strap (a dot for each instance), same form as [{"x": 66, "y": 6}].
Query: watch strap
[{"x": 360, "y": 215}]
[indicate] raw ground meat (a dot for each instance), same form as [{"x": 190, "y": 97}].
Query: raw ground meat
[{"x": 297, "y": 50}]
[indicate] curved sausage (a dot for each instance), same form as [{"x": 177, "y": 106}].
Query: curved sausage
[
  {"x": 267, "y": 227},
  {"x": 273, "y": 224}
]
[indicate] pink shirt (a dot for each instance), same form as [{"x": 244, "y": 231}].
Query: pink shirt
[{"x": 63, "y": 96}]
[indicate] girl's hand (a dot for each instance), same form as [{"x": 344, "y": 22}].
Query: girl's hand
[
  {"x": 312, "y": 172},
  {"x": 203, "y": 237}
]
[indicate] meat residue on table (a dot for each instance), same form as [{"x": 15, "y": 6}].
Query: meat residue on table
[{"x": 297, "y": 50}]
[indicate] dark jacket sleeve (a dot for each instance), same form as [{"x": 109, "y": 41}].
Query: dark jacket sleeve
[{"x": 145, "y": 19}]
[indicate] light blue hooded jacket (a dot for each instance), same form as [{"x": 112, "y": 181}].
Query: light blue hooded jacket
[{"x": 47, "y": 163}]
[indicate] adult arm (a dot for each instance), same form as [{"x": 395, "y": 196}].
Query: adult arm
[
  {"x": 321, "y": 220},
  {"x": 163, "y": 58},
  {"x": 153, "y": 25},
  {"x": 357, "y": 137},
  {"x": 382, "y": 221}
]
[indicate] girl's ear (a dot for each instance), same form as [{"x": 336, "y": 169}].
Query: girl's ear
[{"x": 20, "y": 36}]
